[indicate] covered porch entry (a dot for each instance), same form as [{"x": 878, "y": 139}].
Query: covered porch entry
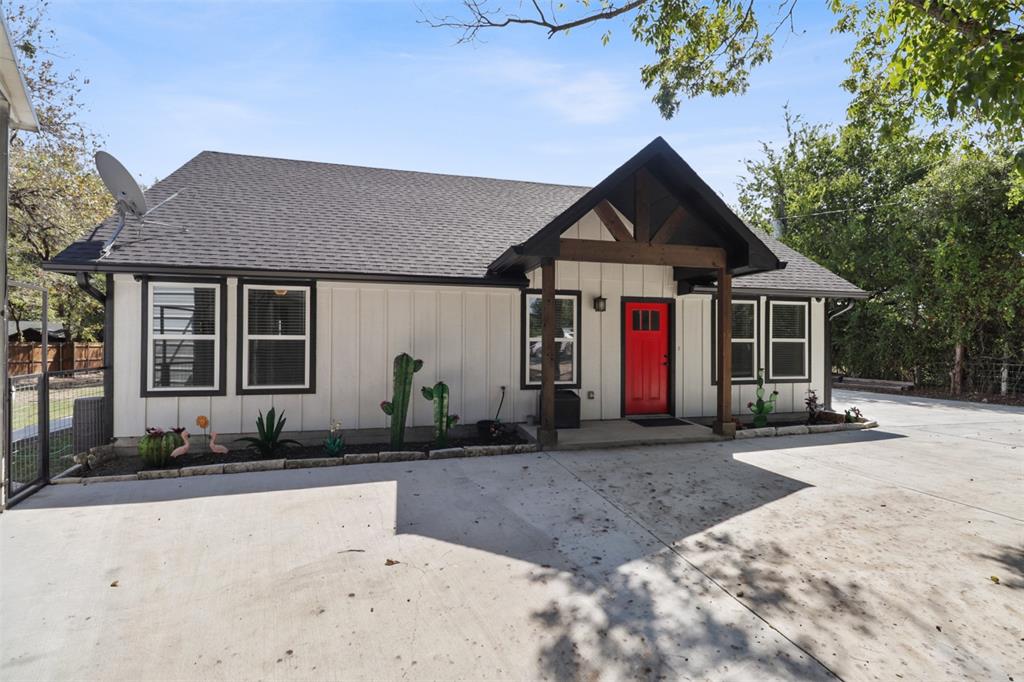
[{"x": 653, "y": 211}]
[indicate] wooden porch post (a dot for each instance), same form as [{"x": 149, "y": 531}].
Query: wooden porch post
[
  {"x": 547, "y": 435},
  {"x": 724, "y": 425}
]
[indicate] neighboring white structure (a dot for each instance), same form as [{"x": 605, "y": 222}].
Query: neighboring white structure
[{"x": 285, "y": 295}]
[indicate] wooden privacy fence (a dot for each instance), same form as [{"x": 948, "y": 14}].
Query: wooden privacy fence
[{"x": 27, "y": 358}]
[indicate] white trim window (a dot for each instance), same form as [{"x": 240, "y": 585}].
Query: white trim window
[
  {"x": 566, "y": 339},
  {"x": 788, "y": 336},
  {"x": 744, "y": 340},
  {"x": 275, "y": 337},
  {"x": 183, "y": 352}
]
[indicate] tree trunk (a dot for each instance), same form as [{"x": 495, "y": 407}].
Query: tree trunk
[
  {"x": 957, "y": 375},
  {"x": 1004, "y": 376}
]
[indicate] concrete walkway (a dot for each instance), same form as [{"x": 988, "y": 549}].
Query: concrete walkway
[{"x": 860, "y": 554}]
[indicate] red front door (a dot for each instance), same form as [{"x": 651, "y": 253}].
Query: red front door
[{"x": 646, "y": 357}]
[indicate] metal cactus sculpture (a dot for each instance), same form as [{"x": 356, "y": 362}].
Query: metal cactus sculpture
[
  {"x": 442, "y": 420},
  {"x": 761, "y": 407},
  {"x": 398, "y": 407}
]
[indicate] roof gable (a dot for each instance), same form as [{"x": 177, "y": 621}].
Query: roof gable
[{"x": 672, "y": 185}]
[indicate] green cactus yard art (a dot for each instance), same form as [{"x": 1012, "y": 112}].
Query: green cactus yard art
[
  {"x": 761, "y": 407},
  {"x": 442, "y": 420},
  {"x": 398, "y": 407}
]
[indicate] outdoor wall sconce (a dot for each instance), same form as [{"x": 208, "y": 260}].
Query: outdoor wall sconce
[{"x": 600, "y": 303}]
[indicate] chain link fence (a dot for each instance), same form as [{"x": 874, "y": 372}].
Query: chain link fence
[{"x": 54, "y": 417}]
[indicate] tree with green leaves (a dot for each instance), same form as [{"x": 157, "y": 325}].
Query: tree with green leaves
[
  {"x": 921, "y": 221},
  {"x": 964, "y": 58},
  {"x": 55, "y": 195}
]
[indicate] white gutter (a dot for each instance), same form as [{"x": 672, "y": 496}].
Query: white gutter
[{"x": 12, "y": 86}]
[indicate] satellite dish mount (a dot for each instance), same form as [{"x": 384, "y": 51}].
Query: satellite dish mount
[{"x": 126, "y": 192}]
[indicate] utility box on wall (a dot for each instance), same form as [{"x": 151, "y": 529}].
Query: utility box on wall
[{"x": 567, "y": 409}]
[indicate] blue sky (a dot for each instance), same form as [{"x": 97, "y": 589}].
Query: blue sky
[{"x": 364, "y": 83}]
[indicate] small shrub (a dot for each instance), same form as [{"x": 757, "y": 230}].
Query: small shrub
[
  {"x": 335, "y": 442},
  {"x": 269, "y": 440},
  {"x": 814, "y": 407},
  {"x": 851, "y": 415}
]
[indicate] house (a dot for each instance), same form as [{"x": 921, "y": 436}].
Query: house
[{"x": 269, "y": 282}]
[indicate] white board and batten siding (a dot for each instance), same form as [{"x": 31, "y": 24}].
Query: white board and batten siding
[
  {"x": 469, "y": 337},
  {"x": 466, "y": 336}
]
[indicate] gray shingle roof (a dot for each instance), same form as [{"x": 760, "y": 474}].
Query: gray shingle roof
[
  {"x": 800, "y": 274},
  {"x": 256, "y": 213}
]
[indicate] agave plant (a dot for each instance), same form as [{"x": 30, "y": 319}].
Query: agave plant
[{"x": 269, "y": 439}]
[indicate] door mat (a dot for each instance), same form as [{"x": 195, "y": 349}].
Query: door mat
[{"x": 660, "y": 421}]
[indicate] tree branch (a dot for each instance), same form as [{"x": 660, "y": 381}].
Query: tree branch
[
  {"x": 969, "y": 28},
  {"x": 481, "y": 18}
]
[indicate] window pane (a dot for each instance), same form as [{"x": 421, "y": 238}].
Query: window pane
[
  {"x": 277, "y": 363},
  {"x": 179, "y": 363},
  {"x": 276, "y": 313},
  {"x": 565, "y": 350},
  {"x": 533, "y": 303},
  {"x": 564, "y": 359},
  {"x": 655, "y": 320},
  {"x": 565, "y": 336},
  {"x": 742, "y": 321},
  {"x": 534, "y": 376},
  {"x": 788, "y": 359},
  {"x": 636, "y": 320},
  {"x": 184, "y": 309},
  {"x": 788, "y": 321},
  {"x": 565, "y": 317},
  {"x": 742, "y": 359}
]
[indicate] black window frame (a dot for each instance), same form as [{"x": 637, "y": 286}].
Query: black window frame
[
  {"x": 758, "y": 341},
  {"x": 241, "y": 339},
  {"x": 524, "y": 349},
  {"x": 809, "y": 355},
  {"x": 146, "y": 334}
]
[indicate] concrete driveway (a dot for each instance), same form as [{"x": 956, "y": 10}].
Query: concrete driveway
[{"x": 858, "y": 554}]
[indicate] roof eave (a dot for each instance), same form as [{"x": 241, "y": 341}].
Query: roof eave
[
  {"x": 738, "y": 288},
  {"x": 156, "y": 269},
  {"x": 13, "y": 87}
]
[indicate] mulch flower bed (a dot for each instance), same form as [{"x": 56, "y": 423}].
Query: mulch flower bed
[{"x": 117, "y": 466}]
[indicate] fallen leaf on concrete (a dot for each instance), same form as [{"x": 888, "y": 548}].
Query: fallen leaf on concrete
[
  {"x": 114, "y": 584},
  {"x": 994, "y": 579},
  {"x": 391, "y": 562}
]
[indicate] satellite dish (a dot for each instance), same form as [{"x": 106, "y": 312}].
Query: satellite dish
[{"x": 121, "y": 184}]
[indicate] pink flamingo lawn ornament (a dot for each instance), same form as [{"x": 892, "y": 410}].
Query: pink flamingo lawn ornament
[
  {"x": 179, "y": 451},
  {"x": 214, "y": 448}
]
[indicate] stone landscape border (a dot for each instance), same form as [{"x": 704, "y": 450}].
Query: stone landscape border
[
  {"x": 800, "y": 429},
  {"x": 69, "y": 477},
  {"x": 96, "y": 455}
]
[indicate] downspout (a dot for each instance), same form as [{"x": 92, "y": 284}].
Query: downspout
[
  {"x": 828, "y": 350},
  {"x": 85, "y": 285},
  {"x": 106, "y": 299}
]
